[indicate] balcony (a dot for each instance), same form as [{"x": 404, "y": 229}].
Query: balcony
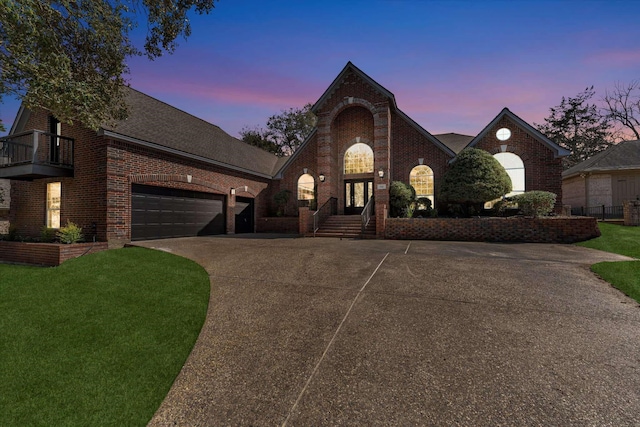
[{"x": 35, "y": 154}]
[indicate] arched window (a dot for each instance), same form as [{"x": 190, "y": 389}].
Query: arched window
[
  {"x": 306, "y": 185},
  {"x": 515, "y": 168},
  {"x": 421, "y": 178},
  {"x": 358, "y": 159}
]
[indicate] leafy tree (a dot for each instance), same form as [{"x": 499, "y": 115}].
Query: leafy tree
[
  {"x": 578, "y": 126},
  {"x": 284, "y": 133},
  {"x": 69, "y": 57},
  {"x": 474, "y": 178},
  {"x": 623, "y": 107}
]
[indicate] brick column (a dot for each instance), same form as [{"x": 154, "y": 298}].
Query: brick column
[
  {"x": 382, "y": 161},
  {"x": 305, "y": 220},
  {"x": 231, "y": 213},
  {"x": 324, "y": 156}
]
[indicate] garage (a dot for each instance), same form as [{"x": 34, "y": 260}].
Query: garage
[{"x": 160, "y": 213}]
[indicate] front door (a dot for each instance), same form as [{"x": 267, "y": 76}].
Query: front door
[{"x": 356, "y": 195}]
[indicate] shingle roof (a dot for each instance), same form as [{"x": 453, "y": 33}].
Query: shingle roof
[
  {"x": 455, "y": 141},
  {"x": 153, "y": 121},
  {"x": 622, "y": 156}
]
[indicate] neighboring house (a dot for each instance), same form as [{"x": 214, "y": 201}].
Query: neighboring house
[
  {"x": 609, "y": 178},
  {"x": 165, "y": 173}
]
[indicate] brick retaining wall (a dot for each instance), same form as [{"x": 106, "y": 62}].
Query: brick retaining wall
[
  {"x": 514, "y": 229},
  {"x": 47, "y": 254},
  {"x": 286, "y": 225}
]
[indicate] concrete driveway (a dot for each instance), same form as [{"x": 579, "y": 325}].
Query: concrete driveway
[{"x": 311, "y": 332}]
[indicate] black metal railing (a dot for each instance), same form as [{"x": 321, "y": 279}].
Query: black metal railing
[
  {"x": 36, "y": 147},
  {"x": 601, "y": 212},
  {"x": 366, "y": 214},
  {"x": 329, "y": 208}
]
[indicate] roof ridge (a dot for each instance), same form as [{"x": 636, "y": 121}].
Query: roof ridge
[{"x": 253, "y": 147}]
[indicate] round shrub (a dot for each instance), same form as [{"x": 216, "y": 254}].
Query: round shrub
[
  {"x": 535, "y": 203},
  {"x": 474, "y": 178}
]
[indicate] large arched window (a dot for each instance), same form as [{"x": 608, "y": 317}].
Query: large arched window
[
  {"x": 358, "y": 159},
  {"x": 421, "y": 178},
  {"x": 306, "y": 187},
  {"x": 515, "y": 168}
]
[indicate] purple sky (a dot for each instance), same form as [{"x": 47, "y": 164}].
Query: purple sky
[{"x": 452, "y": 65}]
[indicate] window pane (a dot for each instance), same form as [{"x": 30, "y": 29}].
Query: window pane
[
  {"x": 421, "y": 178},
  {"x": 54, "y": 194},
  {"x": 514, "y": 166},
  {"x": 306, "y": 185},
  {"x": 358, "y": 159}
]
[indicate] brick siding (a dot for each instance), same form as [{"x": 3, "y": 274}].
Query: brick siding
[
  {"x": 514, "y": 229},
  {"x": 541, "y": 169},
  {"x": 285, "y": 225},
  {"x": 46, "y": 254}
]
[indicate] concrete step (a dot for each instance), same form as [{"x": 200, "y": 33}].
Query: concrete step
[{"x": 346, "y": 226}]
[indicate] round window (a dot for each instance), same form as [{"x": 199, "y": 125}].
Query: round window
[{"x": 503, "y": 134}]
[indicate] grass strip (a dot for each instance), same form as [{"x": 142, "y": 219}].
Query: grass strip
[
  {"x": 618, "y": 239},
  {"x": 98, "y": 340},
  {"x": 623, "y": 275}
]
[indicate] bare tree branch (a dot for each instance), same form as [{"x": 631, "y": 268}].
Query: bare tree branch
[{"x": 623, "y": 107}]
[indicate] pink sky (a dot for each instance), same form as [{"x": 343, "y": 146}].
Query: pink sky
[{"x": 452, "y": 65}]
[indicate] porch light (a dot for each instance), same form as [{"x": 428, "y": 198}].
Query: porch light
[
  {"x": 381, "y": 173},
  {"x": 321, "y": 177}
]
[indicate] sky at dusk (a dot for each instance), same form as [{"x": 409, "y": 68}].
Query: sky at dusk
[{"x": 452, "y": 65}]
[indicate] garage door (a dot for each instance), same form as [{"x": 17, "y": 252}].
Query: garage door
[{"x": 159, "y": 213}]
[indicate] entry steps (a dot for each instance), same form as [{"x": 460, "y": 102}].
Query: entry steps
[{"x": 348, "y": 226}]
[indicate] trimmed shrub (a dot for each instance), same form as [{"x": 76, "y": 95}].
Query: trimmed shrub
[
  {"x": 47, "y": 235},
  {"x": 282, "y": 198},
  {"x": 70, "y": 233},
  {"x": 535, "y": 203},
  {"x": 401, "y": 198},
  {"x": 475, "y": 177}
]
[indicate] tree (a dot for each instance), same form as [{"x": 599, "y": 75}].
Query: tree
[
  {"x": 69, "y": 57},
  {"x": 623, "y": 107},
  {"x": 284, "y": 133},
  {"x": 578, "y": 126},
  {"x": 475, "y": 177}
]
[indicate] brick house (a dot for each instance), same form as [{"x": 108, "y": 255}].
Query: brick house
[{"x": 164, "y": 173}]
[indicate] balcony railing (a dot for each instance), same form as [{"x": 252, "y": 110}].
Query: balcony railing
[{"x": 35, "y": 154}]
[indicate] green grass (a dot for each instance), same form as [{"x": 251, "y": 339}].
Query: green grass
[
  {"x": 623, "y": 275},
  {"x": 98, "y": 340},
  {"x": 617, "y": 239}
]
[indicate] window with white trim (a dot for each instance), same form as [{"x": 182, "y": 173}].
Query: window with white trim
[{"x": 514, "y": 166}]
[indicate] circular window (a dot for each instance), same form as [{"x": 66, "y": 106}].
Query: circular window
[{"x": 503, "y": 134}]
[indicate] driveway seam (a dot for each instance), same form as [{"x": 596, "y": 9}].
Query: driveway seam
[{"x": 333, "y": 338}]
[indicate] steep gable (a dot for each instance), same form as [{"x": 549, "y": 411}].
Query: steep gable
[{"x": 536, "y": 134}]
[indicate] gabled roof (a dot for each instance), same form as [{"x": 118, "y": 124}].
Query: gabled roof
[
  {"x": 336, "y": 82},
  {"x": 622, "y": 156},
  {"x": 156, "y": 124},
  {"x": 455, "y": 141},
  {"x": 558, "y": 151}
]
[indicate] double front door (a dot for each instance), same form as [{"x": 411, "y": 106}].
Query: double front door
[{"x": 356, "y": 194}]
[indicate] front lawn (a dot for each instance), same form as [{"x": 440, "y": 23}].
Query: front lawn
[
  {"x": 98, "y": 340},
  {"x": 624, "y": 275}
]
